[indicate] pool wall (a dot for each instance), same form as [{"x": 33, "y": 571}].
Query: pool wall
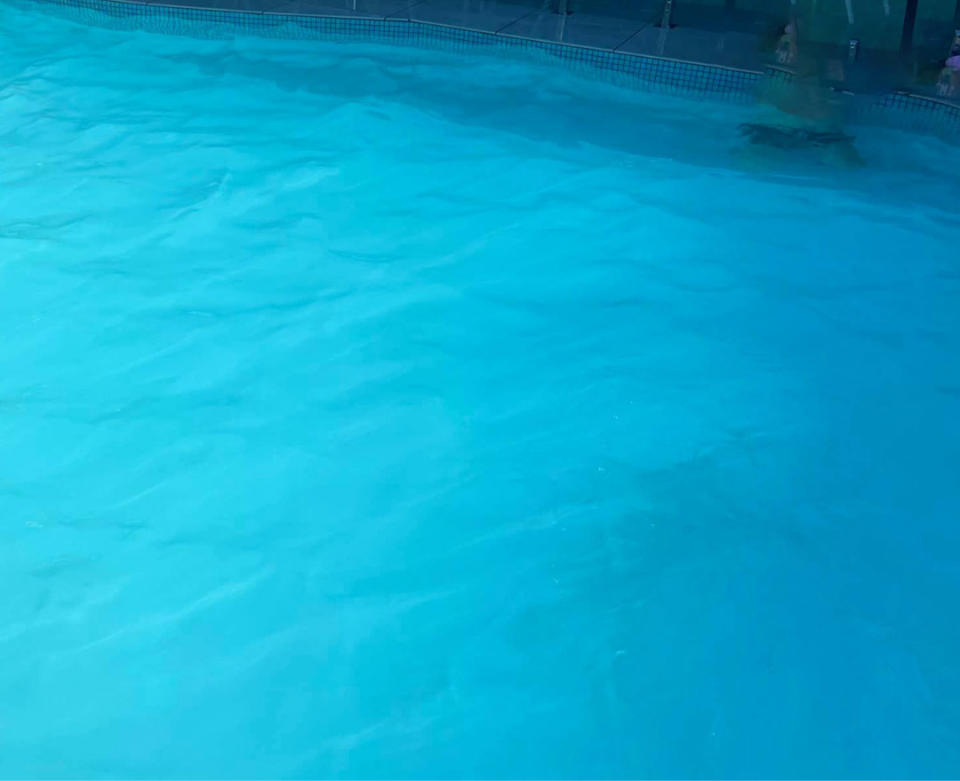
[{"x": 901, "y": 109}]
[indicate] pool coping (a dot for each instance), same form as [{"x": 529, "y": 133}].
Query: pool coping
[{"x": 902, "y": 109}]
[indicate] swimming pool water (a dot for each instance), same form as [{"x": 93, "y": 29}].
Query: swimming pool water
[{"x": 372, "y": 411}]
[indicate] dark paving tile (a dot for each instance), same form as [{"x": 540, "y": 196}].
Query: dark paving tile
[
  {"x": 735, "y": 50},
  {"x": 719, "y": 18},
  {"x": 358, "y": 8},
  {"x": 599, "y": 32},
  {"x": 483, "y": 15},
  {"x": 252, "y": 6},
  {"x": 646, "y": 11}
]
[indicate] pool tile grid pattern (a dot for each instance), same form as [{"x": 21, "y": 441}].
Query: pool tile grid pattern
[
  {"x": 653, "y": 72},
  {"x": 659, "y": 73}
]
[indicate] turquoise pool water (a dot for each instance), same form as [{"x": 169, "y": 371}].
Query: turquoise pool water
[{"x": 372, "y": 411}]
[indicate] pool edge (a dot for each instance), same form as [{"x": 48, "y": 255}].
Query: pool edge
[{"x": 902, "y": 109}]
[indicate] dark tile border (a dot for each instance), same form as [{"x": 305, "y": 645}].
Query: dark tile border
[
  {"x": 905, "y": 110},
  {"x": 915, "y": 112}
]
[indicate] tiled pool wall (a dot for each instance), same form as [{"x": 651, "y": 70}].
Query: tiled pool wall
[{"x": 904, "y": 110}]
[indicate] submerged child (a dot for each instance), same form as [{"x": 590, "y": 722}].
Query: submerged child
[{"x": 802, "y": 112}]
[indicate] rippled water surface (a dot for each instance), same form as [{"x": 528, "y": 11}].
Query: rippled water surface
[{"x": 378, "y": 411}]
